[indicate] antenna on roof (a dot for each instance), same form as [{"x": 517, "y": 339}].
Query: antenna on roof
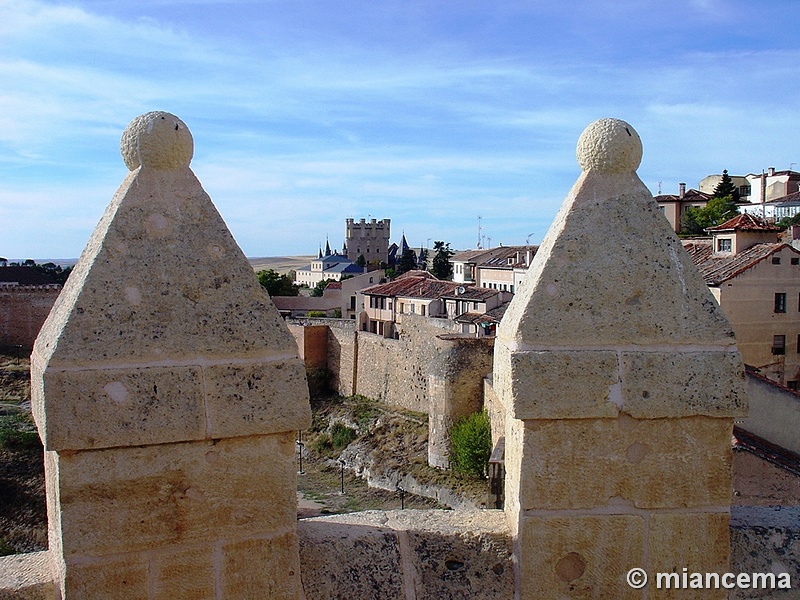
[
  {"x": 479, "y": 232},
  {"x": 659, "y": 188}
]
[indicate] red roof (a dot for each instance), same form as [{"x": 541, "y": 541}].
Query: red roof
[
  {"x": 717, "y": 268},
  {"x": 745, "y": 222},
  {"x": 413, "y": 286}
]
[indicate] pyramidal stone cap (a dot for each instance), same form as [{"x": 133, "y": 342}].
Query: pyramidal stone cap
[
  {"x": 612, "y": 315},
  {"x": 162, "y": 332}
]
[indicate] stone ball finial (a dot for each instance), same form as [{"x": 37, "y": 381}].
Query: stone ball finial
[
  {"x": 610, "y": 146},
  {"x": 158, "y": 140}
]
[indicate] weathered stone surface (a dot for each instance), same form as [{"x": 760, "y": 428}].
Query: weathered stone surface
[
  {"x": 679, "y": 384},
  {"x": 123, "y": 407},
  {"x": 175, "y": 494},
  {"x": 26, "y": 577},
  {"x": 564, "y": 384},
  {"x": 261, "y": 568},
  {"x": 407, "y": 554},
  {"x": 765, "y": 539},
  {"x": 583, "y": 557},
  {"x": 186, "y": 572},
  {"x": 650, "y": 463},
  {"x": 112, "y": 578},
  {"x": 256, "y": 398},
  {"x": 697, "y": 542},
  {"x": 349, "y": 561}
]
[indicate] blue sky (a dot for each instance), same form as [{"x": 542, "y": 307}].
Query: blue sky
[{"x": 430, "y": 113}]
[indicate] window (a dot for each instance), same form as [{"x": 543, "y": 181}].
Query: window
[
  {"x": 792, "y": 385},
  {"x": 422, "y": 310},
  {"x": 795, "y": 260},
  {"x": 776, "y": 260},
  {"x": 745, "y": 190},
  {"x": 780, "y": 302},
  {"x": 798, "y": 343},
  {"x": 724, "y": 245},
  {"x": 779, "y": 344},
  {"x": 412, "y": 309}
]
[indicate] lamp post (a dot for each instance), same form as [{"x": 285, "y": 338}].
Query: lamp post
[
  {"x": 341, "y": 464},
  {"x": 402, "y": 497},
  {"x": 300, "y": 446}
]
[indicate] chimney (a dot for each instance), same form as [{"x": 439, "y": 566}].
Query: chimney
[
  {"x": 682, "y": 190},
  {"x": 772, "y": 171}
]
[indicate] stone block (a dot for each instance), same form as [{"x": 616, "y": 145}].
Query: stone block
[
  {"x": 113, "y": 578},
  {"x": 164, "y": 495},
  {"x": 678, "y": 384},
  {"x": 700, "y": 543},
  {"x": 26, "y": 577},
  {"x": 652, "y": 463},
  {"x": 122, "y": 407},
  {"x": 579, "y": 557},
  {"x": 255, "y": 399},
  {"x": 350, "y": 561},
  {"x": 564, "y": 384},
  {"x": 183, "y": 573},
  {"x": 454, "y": 564},
  {"x": 261, "y": 568}
]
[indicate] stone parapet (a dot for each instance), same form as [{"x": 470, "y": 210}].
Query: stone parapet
[
  {"x": 407, "y": 554},
  {"x": 166, "y": 390},
  {"x": 619, "y": 379}
]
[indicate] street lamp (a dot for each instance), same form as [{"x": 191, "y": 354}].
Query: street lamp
[
  {"x": 402, "y": 497},
  {"x": 341, "y": 464},
  {"x": 300, "y": 445}
]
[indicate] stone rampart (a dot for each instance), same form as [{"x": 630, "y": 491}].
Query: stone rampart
[{"x": 23, "y": 309}]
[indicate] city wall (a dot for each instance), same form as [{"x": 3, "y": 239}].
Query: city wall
[{"x": 23, "y": 309}]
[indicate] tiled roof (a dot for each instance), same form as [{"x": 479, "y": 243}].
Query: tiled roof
[
  {"x": 788, "y": 199},
  {"x": 691, "y": 195},
  {"x": 777, "y": 455},
  {"x": 24, "y": 276},
  {"x": 413, "y": 286},
  {"x": 473, "y": 293},
  {"x": 718, "y": 268},
  {"x": 745, "y": 222},
  {"x": 490, "y": 316},
  {"x": 473, "y": 255},
  {"x": 500, "y": 259}
]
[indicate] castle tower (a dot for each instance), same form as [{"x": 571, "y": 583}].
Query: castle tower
[
  {"x": 619, "y": 377},
  {"x": 368, "y": 238}
]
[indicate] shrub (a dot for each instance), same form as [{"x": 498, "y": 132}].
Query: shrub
[
  {"x": 323, "y": 444},
  {"x": 471, "y": 444},
  {"x": 341, "y": 435}
]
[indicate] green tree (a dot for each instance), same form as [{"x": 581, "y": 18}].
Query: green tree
[
  {"x": 318, "y": 289},
  {"x": 471, "y": 444},
  {"x": 277, "y": 284},
  {"x": 442, "y": 268},
  {"x": 361, "y": 261},
  {"x": 788, "y": 221},
  {"x": 718, "y": 210},
  {"x": 726, "y": 188},
  {"x": 407, "y": 262}
]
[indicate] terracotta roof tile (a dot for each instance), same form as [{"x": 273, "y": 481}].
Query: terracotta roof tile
[
  {"x": 717, "y": 268},
  {"x": 413, "y": 286},
  {"x": 745, "y": 222}
]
